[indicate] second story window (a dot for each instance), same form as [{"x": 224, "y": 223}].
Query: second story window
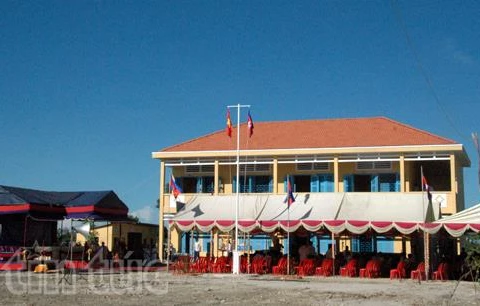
[
  {"x": 382, "y": 182},
  {"x": 254, "y": 184},
  {"x": 196, "y": 184},
  {"x": 311, "y": 183}
]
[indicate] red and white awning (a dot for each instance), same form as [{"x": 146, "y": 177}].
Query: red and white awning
[
  {"x": 336, "y": 212},
  {"x": 458, "y": 224}
]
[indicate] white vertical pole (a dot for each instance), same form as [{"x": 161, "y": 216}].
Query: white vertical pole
[
  {"x": 236, "y": 269},
  {"x": 236, "y": 259},
  {"x": 288, "y": 239}
]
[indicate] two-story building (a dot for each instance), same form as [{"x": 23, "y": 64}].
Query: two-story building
[{"x": 364, "y": 171}]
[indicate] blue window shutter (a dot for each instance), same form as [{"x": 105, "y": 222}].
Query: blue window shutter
[
  {"x": 355, "y": 245},
  {"x": 234, "y": 187},
  {"x": 348, "y": 183},
  {"x": 270, "y": 184},
  {"x": 285, "y": 184},
  {"x": 397, "y": 182},
  {"x": 199, "y": 184},
  {"x": 328, "y": 183},
  {"x": 314, "y": 183},
  {"x": 374, "y": 183},
  {"x": 251, "y": 184}
]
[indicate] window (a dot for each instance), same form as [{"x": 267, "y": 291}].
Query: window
[
  {"x": 377, "y": 165},
  {"x": 313, "y": 166},
  {"x": 197, "y": 184},
  {"x": 311, "y": 183},
  {"x": 384, "y": 182},
  {"x": 254, "y": 184},
  {"x": 255, "y": 168},
  {"x": 199, "y": 169}
]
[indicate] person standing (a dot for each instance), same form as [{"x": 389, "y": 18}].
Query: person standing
[{"x": 197, "y": 249}]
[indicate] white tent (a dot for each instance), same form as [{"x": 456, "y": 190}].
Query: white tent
[
  {"x": 337, "y": 212},
  {"x": 457, "y": 224}
]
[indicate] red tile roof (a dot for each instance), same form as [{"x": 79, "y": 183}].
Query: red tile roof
[{"x": 328, "y": 133}]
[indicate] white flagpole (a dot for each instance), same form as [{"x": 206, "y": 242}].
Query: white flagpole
[
  {"x": 288, "y": 226},
  {"x": 236, "y": 259}
]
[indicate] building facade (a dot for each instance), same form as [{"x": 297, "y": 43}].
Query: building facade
[
  {"x": 141, "y": 238},
  {"x": 360, "y": 155}
]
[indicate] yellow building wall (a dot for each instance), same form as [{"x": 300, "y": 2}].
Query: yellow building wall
[{"x": 108, "y": 234}]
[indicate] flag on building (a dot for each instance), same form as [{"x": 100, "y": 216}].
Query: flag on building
[
  {"x": 229, "y": 124},
  {"x": 250, "y": 125},
  {"x": 290, "y": 197},
  {"x": 174, "y": 189},
  {"x": 426, "y": 187}
]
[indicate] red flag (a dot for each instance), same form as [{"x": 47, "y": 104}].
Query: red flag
[
  {"x": 229, "y": 124},
  {"x": 426, "y": 188},
  {"x": 250, "y": 125},
  {"x": 176, "y": 191},
  {"x": 290, "y": 197}
]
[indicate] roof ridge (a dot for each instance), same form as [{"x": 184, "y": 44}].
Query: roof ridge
[
  {"x": 325, "y": 119},
  {"x": 261, "y": 123}
]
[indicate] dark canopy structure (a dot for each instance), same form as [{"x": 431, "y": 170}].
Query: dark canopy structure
[
  {"x": 95, "y": 205},
  {"x": 28, "y": 215}
]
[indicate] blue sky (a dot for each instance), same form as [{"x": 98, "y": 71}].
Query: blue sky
[{"x": 89, "y": 89}]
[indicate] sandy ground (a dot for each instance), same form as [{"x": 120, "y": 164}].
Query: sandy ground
[{"x": 154, "y": 288}]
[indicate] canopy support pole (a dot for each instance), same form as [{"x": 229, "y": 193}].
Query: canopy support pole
[
  {"x": 333, "y": 253},
  {"x": 169, "y": 234}
]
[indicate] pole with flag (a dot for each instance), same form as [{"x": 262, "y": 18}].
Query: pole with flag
[
  {"x": 426, "y": 251},
  {"x": 290, "y": 200},
  {"x": 236, "y": 255}
]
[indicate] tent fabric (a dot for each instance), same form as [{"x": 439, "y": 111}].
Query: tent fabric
[
  {"x": 336, "y": 212},
  {"x": 457, "y": 224},
  {"x": 87, "y": 204}
]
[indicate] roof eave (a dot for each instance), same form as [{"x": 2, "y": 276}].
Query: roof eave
[{"x": 342, "y": 150}]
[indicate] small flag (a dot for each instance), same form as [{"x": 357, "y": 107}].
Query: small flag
[
  {"x": 426, "y": 188},
  {"x": 250, "y": 125},
  {"x": 176, "y": 191},
  {"x": 290, "y": 197},
  {"x": 229, "y": 124}
]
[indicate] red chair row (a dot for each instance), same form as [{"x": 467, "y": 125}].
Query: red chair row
[
  {"x": 282, "y": 266},
  {"x": 306, "y": 267},
  {"x": 261, "y": 264},
  {"x": 182, "y": 264},
  {"x": 222, "y": 265}
]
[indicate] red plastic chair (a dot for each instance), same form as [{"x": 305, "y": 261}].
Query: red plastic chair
[
  {"x": 419, "y": 273},
  {"x": 350, "y": 269},
  {"x": 306, "y": 268},
  {"x": 441, "y": 273},
  {"x": 399, "y": 272},
  {"x": 221, "y": 265},
  {"x": 326, "y": 269},
  {"x": 375, "y": 269},
  {"x": 281, "y": 267}
]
